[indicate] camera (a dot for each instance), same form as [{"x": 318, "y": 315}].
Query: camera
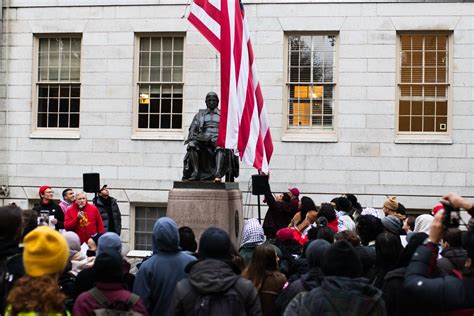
[{"x": 451, "y": 217}]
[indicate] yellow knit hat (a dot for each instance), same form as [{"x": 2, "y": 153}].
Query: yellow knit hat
[
  {"x": 45, "y": 252},
  {"x": 391, "y": 203}
]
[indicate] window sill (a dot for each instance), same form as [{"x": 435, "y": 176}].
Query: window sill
[
  {"x": 310, "y": 138},
  {"x": 56, "y": 134},
  {"x": 162, "y": 135},
  {"x": 423, "y": 139}
]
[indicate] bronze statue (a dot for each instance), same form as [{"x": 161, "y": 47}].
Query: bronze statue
[{"x": 204, "y": 160}]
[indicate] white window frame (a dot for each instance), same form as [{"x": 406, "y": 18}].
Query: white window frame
[
  {"x": 51, "y": 132},
  {"x": 425, "y": 137},
  {"x": 306, "y": 135},
  {"x": 157, "y": 134},
  {"x": 133, "y": 208}
]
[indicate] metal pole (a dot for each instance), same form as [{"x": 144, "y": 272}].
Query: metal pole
[{"x": 259, "y": 212}]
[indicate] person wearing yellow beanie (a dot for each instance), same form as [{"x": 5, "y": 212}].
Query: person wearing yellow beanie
[
  {"x": 45, "y": 256},
  {"x": 45, "y": 252}
]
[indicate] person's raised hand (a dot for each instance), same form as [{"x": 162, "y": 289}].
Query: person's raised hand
[
  {"x": 456, "y": 201},
  {"x": 436, "y": 229}
]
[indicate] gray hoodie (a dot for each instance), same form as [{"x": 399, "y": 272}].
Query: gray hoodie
[{"x": 157, "y": 277}]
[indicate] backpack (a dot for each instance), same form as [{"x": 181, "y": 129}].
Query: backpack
[
  {"x": 229, "y": 303},
  {"x": 67, "y": 283},
  {"x": 115, "y": 308},
  {"x": 6, "y": 280}
]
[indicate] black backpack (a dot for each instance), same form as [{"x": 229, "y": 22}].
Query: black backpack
[
  {"x": 6, "y": 279},
  {"x": 229, "y": 303},
  {"x": 67, "y": 283},
  {"x": 115, "y": 308}
]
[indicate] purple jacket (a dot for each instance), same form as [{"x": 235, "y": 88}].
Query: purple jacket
[{"x": 86, "y": 304}]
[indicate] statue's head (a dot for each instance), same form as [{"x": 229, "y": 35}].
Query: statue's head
[{"x": 212, "y": 100}]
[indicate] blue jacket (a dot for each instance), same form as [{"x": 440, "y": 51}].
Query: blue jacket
[{"x": 157, "y": 277}]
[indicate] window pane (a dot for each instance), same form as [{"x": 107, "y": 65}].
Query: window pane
[
  {"x": 416, "y": 122},
  {"x": 42, "y": 119},
  {"x": 441, "y": 124},
  {"x": 404, "y": 124},
  {"x": 428, "y": 124}
]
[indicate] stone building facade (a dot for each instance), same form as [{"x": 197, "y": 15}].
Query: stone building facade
[{"x": 373, "y": 98}]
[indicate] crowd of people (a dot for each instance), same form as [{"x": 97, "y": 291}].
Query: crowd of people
[{"x": 336, "y": 258}]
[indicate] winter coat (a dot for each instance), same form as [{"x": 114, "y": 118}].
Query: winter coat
[
  {"x": 104, "y": 213},
  {"x": 84, "y": 228},
  {"x": 451, "y": 293},
  {"x": 209, "y": 277},
  {"x": 278, "y": 216},
  {"x": 339, "y": 296},
  {"x": 54, "y": 210},
  {"x": 85, "y": 279},
  {"x": 86, "y": 303},
  {"x": 397, "y": 301},
  {"x": 10, "y": 249},
  {"x": 157, "y": 277},
  {"x": 452, "y": 258},
  {"x": 305, "y": 283},
  {"x": 271, "y": 287}
]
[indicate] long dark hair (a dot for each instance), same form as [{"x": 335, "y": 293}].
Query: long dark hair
[
  {"x": 263, "y": 260},
  {"x": 307, "y": 204}
]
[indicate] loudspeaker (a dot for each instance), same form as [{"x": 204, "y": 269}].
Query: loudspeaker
[
  {"x": 260, "y": 184},
  {"x": 91, "y": 182}
]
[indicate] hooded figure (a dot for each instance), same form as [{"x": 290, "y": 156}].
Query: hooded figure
[
  {"x": 157, "y": 277},
  {"x": 423, "y": 223},
  {"x": 343, "y": 291},
  {"x": 252, "y": 236},
  {"x": 214, "y": 276}
]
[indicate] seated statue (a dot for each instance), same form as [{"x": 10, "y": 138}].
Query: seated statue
[{"x": 204, "y": 160}]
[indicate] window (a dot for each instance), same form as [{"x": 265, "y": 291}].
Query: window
[
  {"x": 145, "y": 218},
  {"x": 160, "y": 83},
  {"x": 311, "y": 82},
  {"x": 58, "y": 82},
  {"x": 423, "y": 83}
]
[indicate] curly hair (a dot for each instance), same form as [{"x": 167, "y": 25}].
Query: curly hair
[{"x": 41, "y": 294}]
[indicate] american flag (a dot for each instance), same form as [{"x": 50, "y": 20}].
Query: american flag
[{"x": 244, "y": 125}]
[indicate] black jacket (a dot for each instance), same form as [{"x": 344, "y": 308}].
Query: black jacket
[
  {"x": 445, "y": 293},
  {"x": 278, "y": 216},
  {"x": 104, "y": 213},
  {"x": 452, "y": 258},
  {"x": 10, "y": 251},
  {"x": 305, "y": 283},
  {"x": 339, "y": 296},
  {"x": 209, "y": 277},
  {"x": 397, "y": 300},
  {"x": 55, "y": 210}
]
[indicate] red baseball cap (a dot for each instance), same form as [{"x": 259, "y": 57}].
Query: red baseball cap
[{"x": 294, "y": 191}]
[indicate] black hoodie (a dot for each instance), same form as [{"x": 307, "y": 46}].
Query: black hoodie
[{"x": 211, "y": 277}]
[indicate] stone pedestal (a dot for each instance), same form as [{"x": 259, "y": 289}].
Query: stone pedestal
[{"x": 200, "y": 205}]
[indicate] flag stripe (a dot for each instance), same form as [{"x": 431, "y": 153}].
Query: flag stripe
[
  {"x": 244, "y": 124},
  {"x": 208, "y": 27}
]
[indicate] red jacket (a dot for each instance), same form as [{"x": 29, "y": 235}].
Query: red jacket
[
  {"x": 88, "y": 226},
  {"x": 86, "y": 304}
]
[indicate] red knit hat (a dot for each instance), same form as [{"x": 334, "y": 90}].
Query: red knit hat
[
  {"x": 285, "y": 234},
  {"x": 42, "y": 189}
]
